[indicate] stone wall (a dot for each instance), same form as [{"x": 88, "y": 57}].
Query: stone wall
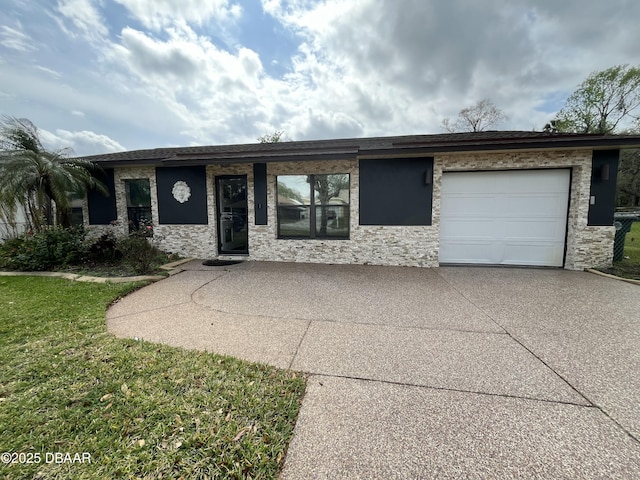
[{"x": 587, "y": 246}]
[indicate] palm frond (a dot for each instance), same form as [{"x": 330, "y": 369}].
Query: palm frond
[{"x": 35, "y": 177}]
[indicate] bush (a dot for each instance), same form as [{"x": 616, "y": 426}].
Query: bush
[
  {"x": 104, "y": 249},
  {"x": 50, "y": 248},
  {"x": 57, "y": 248},
  {"x": 138, "y": 252}
]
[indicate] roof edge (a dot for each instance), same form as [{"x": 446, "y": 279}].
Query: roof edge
[{"x": 374, "y": 146}]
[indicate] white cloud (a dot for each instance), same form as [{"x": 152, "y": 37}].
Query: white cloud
[
  {"x": 85, "y": 18},
  {"x": 49, "y": 71},
  {"x": 214, "y": 93},
  {"x": 16, "y": 39},
  {"x": 191, "y": 72},
  {"x": 81, "y": 142},
  {"x": 156, "y": 14},
  {"x": 403, "y": 65}
]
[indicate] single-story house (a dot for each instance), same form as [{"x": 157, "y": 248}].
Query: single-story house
[{"x": 501, "y": 198}]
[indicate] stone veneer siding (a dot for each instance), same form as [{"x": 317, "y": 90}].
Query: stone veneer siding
[
  {"x": 375, "y": 245},
  {"x": 587, "y": 246}
]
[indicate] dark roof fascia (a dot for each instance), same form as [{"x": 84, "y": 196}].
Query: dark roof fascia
[
  {"x": 415, "y": 148},
  {"x": 128, "y": 162},
  {"x": 281, "y": 149},
  {"x": 180, "y": 160},
  {"x": 183, "y": 160},
  {"x": 345, "y": 149}
]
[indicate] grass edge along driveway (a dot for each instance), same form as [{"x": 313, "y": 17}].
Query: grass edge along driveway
[{"x": 76, "y": 402}]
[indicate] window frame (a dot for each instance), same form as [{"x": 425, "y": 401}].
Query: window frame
[
  {"x": 137, "y": 213},
  {"x": 312, "y": 207}
]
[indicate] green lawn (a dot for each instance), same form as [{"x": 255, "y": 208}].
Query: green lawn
[
  {"x": 632, "y": 244},
  {"x": 139, "y": 410},
  {"x": 629, "y": 266}
]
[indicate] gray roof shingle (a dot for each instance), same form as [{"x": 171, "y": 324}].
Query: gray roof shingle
[{"x": 363, "y": 147}]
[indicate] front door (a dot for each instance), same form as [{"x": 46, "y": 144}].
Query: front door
[{"x": 233, "y": 227}]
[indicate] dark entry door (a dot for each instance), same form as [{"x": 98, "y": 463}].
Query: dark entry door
[{"x": 233, "y": 227}]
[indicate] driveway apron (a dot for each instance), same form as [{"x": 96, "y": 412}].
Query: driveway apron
[{"x": 451, "y": 372}]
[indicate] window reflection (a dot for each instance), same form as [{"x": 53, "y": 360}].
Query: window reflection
[
  {"x": 325, "y": 214},
  {"x": 138, "y": 194}
]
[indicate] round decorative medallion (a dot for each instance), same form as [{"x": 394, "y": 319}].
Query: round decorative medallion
[{"x": 181, "y": 191}]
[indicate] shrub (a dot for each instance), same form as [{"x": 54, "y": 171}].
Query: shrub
[
  {"x": 47, "y": 249},
  {"x": 137, "y": 250},
  {"x": 104, "y": 249}
]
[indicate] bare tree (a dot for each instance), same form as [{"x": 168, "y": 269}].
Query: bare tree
[
  {"x": 480, "y": 117},
  {"x": 275, "y": 137}
]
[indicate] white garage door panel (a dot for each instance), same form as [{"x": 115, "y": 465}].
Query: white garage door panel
[
  {"x": 457, "y": 229},
  {"x": 472, "y": 252},
  {"x": 534, "y": 230},
  {"x": 540, "y": 255},
  {"x": 465, "y": 206},
  {"x": 516, "y": 217},
  {"x": 535, "y": 205}
]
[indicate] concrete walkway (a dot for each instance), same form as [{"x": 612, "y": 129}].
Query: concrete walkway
[{"x": 424, "y": 373}]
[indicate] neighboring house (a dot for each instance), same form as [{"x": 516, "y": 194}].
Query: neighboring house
[
  {"x": 504, "y": 198},
  {"x": 12, "y": 225},
  {"x": 16, "y": 223}
]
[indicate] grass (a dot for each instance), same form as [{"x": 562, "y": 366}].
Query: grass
[
  {"x": 140, "y": 410},
  {"x": 629, "y": 266}
]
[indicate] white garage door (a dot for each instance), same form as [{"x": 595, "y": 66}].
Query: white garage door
[{"x": 516, "y": 217}]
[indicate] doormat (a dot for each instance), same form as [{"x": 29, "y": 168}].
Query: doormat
[{"x": 220, "y": 263}]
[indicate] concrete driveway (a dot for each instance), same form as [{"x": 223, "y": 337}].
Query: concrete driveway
[{"x": 424, "y": 373}]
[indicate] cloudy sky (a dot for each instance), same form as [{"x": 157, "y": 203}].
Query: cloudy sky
[{"x": 110, "y": 75}]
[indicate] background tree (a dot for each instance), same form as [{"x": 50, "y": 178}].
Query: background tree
[
  {"x": 35, "y": 178},
  {"x": 328, "y": 187},
  {"x": 274, "y": 137},
  {"x": 480, "y": 117},
  {"x": 628, "y": 188},
  {"x": 603, "y": 103}
]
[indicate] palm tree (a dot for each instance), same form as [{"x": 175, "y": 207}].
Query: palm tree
[{"x": 34, "y": 177}]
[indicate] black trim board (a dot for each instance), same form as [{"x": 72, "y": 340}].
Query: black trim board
[
  {"x": 260, "y": 193},
  {"x": 604, "y": 176}
]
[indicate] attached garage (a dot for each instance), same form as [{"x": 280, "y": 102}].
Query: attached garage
[{"x": 515, "y": 217}]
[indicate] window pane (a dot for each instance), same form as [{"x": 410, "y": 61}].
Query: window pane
[
  {"x": 138, "y": 192},
  {"x": 138, "y": 202},
  {"x": 331, "y": 189},
  {"x": 293, "y": 221},
  {"x": 293, "y": 190},
  {"x": 326, "y": 215},
  {"x": 293, "y": 206},
  {"x": 332, "y": 221}
]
